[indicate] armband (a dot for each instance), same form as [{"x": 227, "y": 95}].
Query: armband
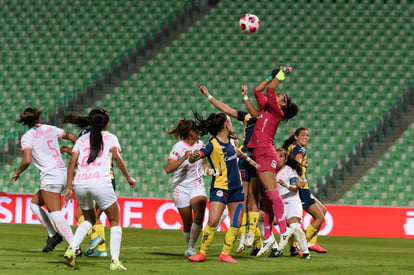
[
  {"x": 245, "y": 97},
  {"x": 209, "y": 97}
]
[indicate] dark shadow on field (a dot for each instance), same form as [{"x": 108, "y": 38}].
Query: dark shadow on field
[{"x": 180, "y": 255}]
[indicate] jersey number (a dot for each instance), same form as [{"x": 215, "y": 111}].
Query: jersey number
[{"x": 56, "y": 153}]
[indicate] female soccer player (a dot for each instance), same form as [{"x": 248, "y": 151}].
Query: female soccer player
[
  {"x": 226, "y": 188},
  {"x": 40, "y": 145},
  {"x": 288, "y": 180},
  {"x": 97, "y": 246},
  {"x": 249, "y": 178},
  {"x": 92, "y": 183},
  {"x": 273, "y": 109},
  {"x": 295, "y": 147},
  {"x": 189, "y": 190}
]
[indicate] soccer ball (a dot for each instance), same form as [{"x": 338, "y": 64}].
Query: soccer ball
[{"x": 249, "y": 23}]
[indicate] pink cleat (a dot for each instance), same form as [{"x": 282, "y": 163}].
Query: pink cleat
[
  {"x": 200, "y": 257},
  {"x": 226, "y": 258},
  {"x": 317, "y": 248}
]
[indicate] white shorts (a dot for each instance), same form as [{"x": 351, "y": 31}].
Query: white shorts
[
  {"x": 182, "y": 195},
  {"x": 86, "y": 196},
  {"x": 53, "y": 180},
  {"x": 293, "y": 208}
]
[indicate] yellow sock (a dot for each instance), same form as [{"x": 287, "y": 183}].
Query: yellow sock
[
  {"x": 92, "y": 233},
  {"x": 314, "y": 239},
  {"x": 311, "y": 234},
  {"x": 81, "y": 219},
  {"x": 229, "y": 239},
  {"x": 207, "y": 238},
  {"x": 257, "y": 238},
  {"x": 253, "y": 219},
  {"x": 100, "y": 229},
  {"x": 243, "y": 226}
]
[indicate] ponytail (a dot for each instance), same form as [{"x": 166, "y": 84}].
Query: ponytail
[
  {"x": 212, "y": 125},
  {"x": 30, "y": 117},
  {"x": 98, "y": 118}
]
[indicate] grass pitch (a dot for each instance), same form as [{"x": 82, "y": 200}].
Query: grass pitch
[{"x": 150, "y": 251}]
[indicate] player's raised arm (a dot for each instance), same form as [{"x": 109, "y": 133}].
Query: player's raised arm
[
  {"x": 250, "y": 108},
  {"x": 217, "y": 103}
]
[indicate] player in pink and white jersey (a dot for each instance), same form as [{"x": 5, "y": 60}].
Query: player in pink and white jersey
[
  {"x": 40, "y": 145},
  {"x": 274, "y": 108},
  {"x": 188, "y": 186},
  {"x": 288, "y": 178},
  {"x": 92, "y": 183}
]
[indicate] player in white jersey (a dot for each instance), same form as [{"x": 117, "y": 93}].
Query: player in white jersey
[
  {"x": 288, "y": 180},
  {"x": 40, "y": 145},
  {"x": 92, "y": 183},
  {"x": 188, "y": 187}
]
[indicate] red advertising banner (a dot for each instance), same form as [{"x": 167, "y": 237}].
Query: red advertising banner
[{"x": 340, "y": 220}]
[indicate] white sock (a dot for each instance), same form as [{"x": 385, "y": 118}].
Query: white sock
[
  {"x": 300, "y": 237},
  {"x": 80, "y": 234},
  {"x": 186, "y": 236},
  {"x": 44, "y": 218},
  {"x": 62, "y": 225},
  {"x": 115, "y": 242},
  {"x": 261, "y": 227},
  {"x": 194, "y": 234}
]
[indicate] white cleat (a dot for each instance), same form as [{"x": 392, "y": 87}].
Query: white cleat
[
  {"x": 266, "y": 246},
  {"x": 249, "y": 239},
  {"x": 241, "y": 246},
  {"x": 284, "y": 238}
]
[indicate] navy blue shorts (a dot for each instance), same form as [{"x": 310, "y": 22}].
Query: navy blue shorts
[
  {"x": 113, "y": 183},
  {"x": 246, "y": 170},
  {"x": 306, "y": 197},
  {"x": 227, "y": 196}
]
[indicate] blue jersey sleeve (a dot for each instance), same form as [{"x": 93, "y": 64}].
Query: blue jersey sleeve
[
  {"x": 207, "y": 149},
  {"x": 241, "y": 115}
]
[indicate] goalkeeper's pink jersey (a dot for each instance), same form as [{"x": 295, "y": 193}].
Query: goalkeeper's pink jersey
[{"x": 268, "y": 119}]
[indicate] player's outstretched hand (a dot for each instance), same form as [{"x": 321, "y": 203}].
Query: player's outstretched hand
[
  {"x": 204, "y": 91},
  {"x": 244, "y": 90}
]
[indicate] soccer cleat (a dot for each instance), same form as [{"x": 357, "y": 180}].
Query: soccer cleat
[
  {"x": 306, "y": 256},
  {"x": 78, "y": 252},
  {"x": 94, "y": 244},
  {"x": 249, "y": 239},
  {"x": 266, "y": 246},
  {"x": 52, "y": 242},
  {"x": 241, "y": 246},
  {"x": 254, "y": 251},
  {"x": 116, "y": 265},
  {"x": 294, "y": 251},
  {"x": 200, "y": 257},
  {"x": 69, "y": 257},
  {"x": 226, "y": 258},
  {"x": 275, "y": 253},
  {"x": 190, "y": 252},
  {"x": 98, "y": 253},
  {"x": 317, "y": 248},
  {"x": 284, "y": 238}
]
